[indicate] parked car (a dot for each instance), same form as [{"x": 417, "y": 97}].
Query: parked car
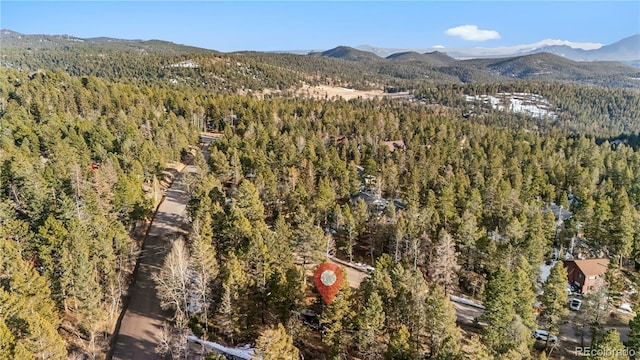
[
  {"x": 575, "y": 304},
  {"x": 543, "y": 335},
  {"x": 573, "y": 290}
]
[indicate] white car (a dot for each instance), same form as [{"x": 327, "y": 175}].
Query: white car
[
  {"x": 543, "y": 335},
  {"x": 575, "y": 304}
]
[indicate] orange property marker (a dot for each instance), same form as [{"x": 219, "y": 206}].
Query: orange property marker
[{"x": 328, "y": 278}]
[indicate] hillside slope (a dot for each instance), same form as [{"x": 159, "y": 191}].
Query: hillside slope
[{"x": 160, "y": 61}]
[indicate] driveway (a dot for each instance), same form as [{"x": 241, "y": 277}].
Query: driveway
[{"x": 570, "y": 335}]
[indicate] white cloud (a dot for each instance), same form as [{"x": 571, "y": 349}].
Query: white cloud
[
  {"x": 438, "y": 47},
  {"x": 472, "y": 33}
]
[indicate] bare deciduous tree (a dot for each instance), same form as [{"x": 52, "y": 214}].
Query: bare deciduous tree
[
  {"x": 172, "y": 341},
  {"x": 172, "y": 282}
]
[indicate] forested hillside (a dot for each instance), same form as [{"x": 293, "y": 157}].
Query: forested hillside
[
  {"x": 458, "y": 204},
  {"x": 590, "y": 111},
  {"x": 76, "y": 154},
  {"x": 474, "y": 197}
]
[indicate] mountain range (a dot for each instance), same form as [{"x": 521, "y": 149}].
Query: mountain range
[
  {"x": 626, "y": 51},
  {"x": 544, "y": 62}
]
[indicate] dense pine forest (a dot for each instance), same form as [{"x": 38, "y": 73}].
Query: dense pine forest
[{"x": 463, "y": 207}]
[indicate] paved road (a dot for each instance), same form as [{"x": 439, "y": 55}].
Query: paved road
[{"x": 144, "y": 319}]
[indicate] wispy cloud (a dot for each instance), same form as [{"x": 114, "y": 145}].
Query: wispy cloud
[{"x": 472, "y": 33}]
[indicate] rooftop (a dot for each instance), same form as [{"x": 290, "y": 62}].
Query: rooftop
[{"x": 591, "y": 266}]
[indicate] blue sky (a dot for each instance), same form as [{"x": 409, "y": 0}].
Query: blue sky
[{"x": 319, "y": 25}]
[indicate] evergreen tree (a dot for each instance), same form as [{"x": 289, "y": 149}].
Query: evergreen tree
[
  {"x": 400, "y": 345},
  {"x": 499, "y": 312},
  {"x": 446, "y": 204},
  {"x": 467, "y": 237},
  {"x": 7, "y": 342},
  {"x": 285, "y": 291},
  {"x": 336, "y": 321},
  {"x": 324, "y": 200},
  {"x": 351, "y": 232},
  {"x": 309, "y": 239},
  {"x": 535, "y": 241},
  {"x": 634, "y": 335},
  {"x": 29, "y": 319},
  {"x": 51, "y": 236},
  {"x": 231, "y": 307},
  {"x": 379, "y": 281},
  {"x": 276, "y": 344},
  {"x": 443, "y": 335},
  {"x": 525, "y": 296},
  {"x": 212, "y": 355},
  {"x": 478, "y": 350},
  {"x": 610, "y": 347},
  {"x": 622, "y": 227},
  {"x": 44, "y": 342},
  {"x": 249, "y": 203},
  {"x": 399, "y": 238},
  {"x": 219, "y": 164},
  {"x": 370, "y": 322},
  {"x": 360, "y": 215},
  {"x": 597, "y": 228},
  {"x": 554, "y": 298}
]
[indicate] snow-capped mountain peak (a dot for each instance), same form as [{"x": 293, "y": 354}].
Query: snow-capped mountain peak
[{"x": 556, "y": 42}]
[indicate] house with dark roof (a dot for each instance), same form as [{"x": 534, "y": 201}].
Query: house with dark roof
[
  {"x": 373, "y": 200},
  {"x": 375, "y": 203},
  {"x": 586, "y": 275}
]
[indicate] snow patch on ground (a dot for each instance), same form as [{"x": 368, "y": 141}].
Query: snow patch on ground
[
  {"x": 531, "y": 104},
  {"x": 545, "y": 270},
  {"x": 466, "y": 301},
  {"x": 357, "y": 266},
  {"x": 625, "y": 308},
  {"x": 241, "y": 353},
  {"x": 185, "y": 64}
]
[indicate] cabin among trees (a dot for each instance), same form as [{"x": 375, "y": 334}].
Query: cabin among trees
[{"x": 587, "y": 275}]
